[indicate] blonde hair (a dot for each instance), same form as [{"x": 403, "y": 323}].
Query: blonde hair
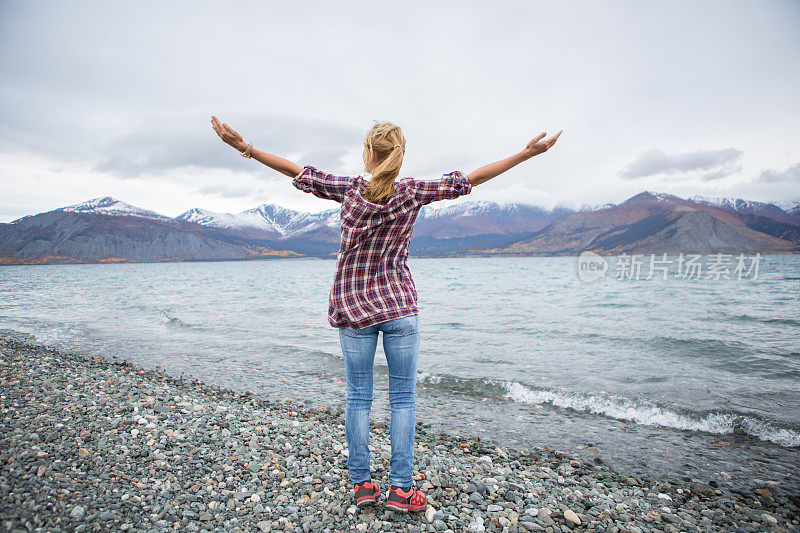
[{"x": 386, "y": 147}]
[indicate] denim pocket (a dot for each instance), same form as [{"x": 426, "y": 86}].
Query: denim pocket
[
  {"x": 407, "y": 325},
  {"x": 363, "y": 332},
  {"x": 349, "y": 332}
]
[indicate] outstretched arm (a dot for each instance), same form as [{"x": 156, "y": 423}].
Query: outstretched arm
[
  {"x": 234, "y": 139},
  {"x": 535, "y": 147}
]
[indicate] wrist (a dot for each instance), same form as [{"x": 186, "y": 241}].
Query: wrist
[{"x": 248, "y": 151}]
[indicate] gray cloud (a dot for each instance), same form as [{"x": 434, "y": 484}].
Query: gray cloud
[
  {"x": 712, "y": 164},
  {"x": 174, "y": 140},
  {"x": 108, "y": 86},
  {"x": 769, "y": 175},
  {"x": 227, "y": 191},
  {"x": 722, "y": 172},
  {"x": 164, "y": 141}
]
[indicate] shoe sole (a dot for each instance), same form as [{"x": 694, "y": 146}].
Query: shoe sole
[
  {"x": 403, "y": 509},
  {"x": 365, "y": 503}
]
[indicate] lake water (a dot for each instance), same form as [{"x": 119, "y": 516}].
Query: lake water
[{"x": 673, "y": 379}]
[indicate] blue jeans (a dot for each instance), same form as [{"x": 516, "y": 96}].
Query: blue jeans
[{"x": 401, "y": 345}]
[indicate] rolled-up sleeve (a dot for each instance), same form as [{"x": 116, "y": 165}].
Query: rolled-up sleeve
[
  {"x": 450, "y": 185},
  {"x": 321, "y": 184}
]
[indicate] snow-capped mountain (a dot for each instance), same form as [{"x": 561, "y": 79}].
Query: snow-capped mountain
[
  {"x": 738, "y": 204},
  {"x": 266, "y": 221},
  {"x": 111, "y": 206},
  {"x": 661, "y": 223},
  {"x": 471, "y": 218},
  {"x": 658, "y": 197},
  {"x": 459, "y": 220},
  {"x": 108, "y": 230},
  {"x": 785, "y": 213},
  {"x": 482, "y": 208},
  {"x": 788, "y": 206},
  {"x": 468, "y": 208},
  {"x": 594, "y": 207}
]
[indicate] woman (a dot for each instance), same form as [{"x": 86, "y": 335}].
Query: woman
[{"x": 373, "y": 290}]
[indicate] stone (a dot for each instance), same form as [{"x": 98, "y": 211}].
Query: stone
[
  {"x": 430, "y": 512},
  {"x": 476, "y": 526},
  {"x": 769, "y": 519},
  {"x": 570, "y": 515}
]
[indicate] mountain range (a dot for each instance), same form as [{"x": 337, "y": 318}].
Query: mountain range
[{"x": 109, "y": 230}]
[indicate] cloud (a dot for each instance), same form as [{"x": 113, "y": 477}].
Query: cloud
[
  {"x": 226, "y": 191},
  {"x": 307, "y": 88},
  {"x": 169, "y": 141},
  {"x": 769, "y": 175},
  {"x": 710, "y": 164},
  {"x": 156, "y": 143}
]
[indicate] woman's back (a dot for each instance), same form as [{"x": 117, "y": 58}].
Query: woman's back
[{"x": 372, "y": 282}]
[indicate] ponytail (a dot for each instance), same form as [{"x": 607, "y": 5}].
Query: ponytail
[{"x": 386, "y": 145}]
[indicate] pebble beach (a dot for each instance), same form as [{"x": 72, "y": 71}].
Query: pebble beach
[{"x": 90, "y": 444}]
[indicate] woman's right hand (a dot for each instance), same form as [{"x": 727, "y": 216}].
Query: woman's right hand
[
  {"x": 535, "y": 147},
  {"x": 538, "y": 146}
]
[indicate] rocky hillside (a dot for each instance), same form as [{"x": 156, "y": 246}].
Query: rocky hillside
[
  {"x": 108, "y": 230},
  {"x": 659, "y": 223}
]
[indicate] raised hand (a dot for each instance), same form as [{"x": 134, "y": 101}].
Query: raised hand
[
  {"x": 538, "y": 146},
  {"x": 228, "y": 134}
]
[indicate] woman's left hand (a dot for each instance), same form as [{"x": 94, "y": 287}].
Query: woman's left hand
[{"x": 228, "y": 134}]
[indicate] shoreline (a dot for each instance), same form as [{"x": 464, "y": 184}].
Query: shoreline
[
  {"x": 332, "y": 257},
  {"x": 92, "y": 444}
]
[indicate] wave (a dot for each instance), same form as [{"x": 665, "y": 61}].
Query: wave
[
  {"x": 490, "y": 361},
  {"x": 617, "y": 407},
  {"x": 649, "y": 414},
  {"x": 164, "y": 315},
  {"x": 53, "y": 335},
  {"x": 766, "y": 320},
  {"x": 455, "y": 325},
  {"x": 705, "y": 347},
  {"x": 481, "y": 387},
  {"x": 173, "y": 321}
]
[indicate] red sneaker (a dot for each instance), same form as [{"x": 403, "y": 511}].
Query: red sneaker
[
  {"x": 366, "y": 493},
  {"x": 411, "y": 501}
]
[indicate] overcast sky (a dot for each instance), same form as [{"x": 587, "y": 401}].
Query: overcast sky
[{"x": 115, "y": 98}]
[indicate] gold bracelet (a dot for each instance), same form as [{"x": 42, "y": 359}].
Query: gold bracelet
[{"x": 248, "y": 153}]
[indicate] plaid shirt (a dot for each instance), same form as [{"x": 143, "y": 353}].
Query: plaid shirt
[{"x": 372, "y": 282}]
